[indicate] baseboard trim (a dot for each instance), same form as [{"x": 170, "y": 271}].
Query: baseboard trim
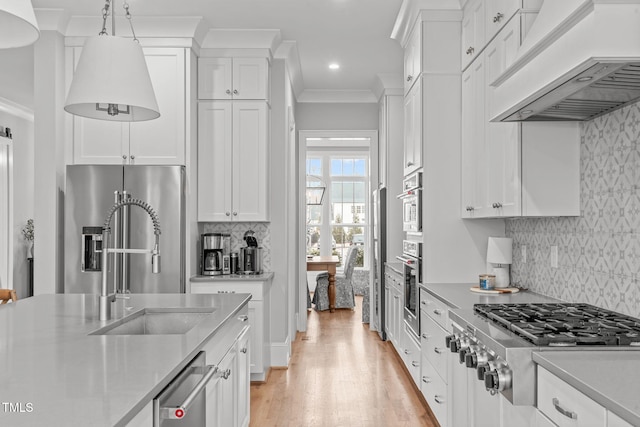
[{"x": 281, "y": 353}]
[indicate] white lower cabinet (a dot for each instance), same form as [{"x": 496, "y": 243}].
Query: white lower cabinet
[
  {"x": 566, "y": 406},
  {"x": 411, "y": 353},
  {"x": 260, "y": 341},
  {"x": 435, "y": 390},
  {"x": 394, "y": 307},
  {"x": 615, "y": 421}
]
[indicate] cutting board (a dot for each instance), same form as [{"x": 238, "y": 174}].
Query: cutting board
[{"x": 494, "y": 291}]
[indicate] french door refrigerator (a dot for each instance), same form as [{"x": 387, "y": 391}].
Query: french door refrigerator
[{"x": 91, "y": 191}]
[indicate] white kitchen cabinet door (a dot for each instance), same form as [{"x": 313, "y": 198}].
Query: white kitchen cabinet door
[
  {"x": 215, "y": 155},
  {"x": 498, "y": 13},
  {"x": 221, "y": 395},
  {"x": 474, "y": 168},
  {"x": 144, "y": 418},
  {"x": 434, "y": 390},
  {"x": 250, "y": 180},
  {"x": 615, "y": 421},
  {"x": 233, "y": 161},
  {"x": 542, "y": 421},
  {"x": 413, "y": 58},
  {"x": 503, "y": 197},
  {"x": 233, "y": 78},
  {"x": 156, "y": 142},
  {"x": 413, "y": 129},
  {"x": 473, "y": 28},
  {"x": 162, "y": 141},
  {"x": 243, "y": 381}
]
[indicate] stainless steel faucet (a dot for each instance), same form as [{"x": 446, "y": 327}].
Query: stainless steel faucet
[{"x": 105, "y": 297}]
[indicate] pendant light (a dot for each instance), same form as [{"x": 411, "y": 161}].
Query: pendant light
[
  {"x": 111, "y": 81},
  {"x": 18, "y": 25}
]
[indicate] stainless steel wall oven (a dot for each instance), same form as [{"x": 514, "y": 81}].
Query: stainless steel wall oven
[{"x": 412, "y": 271}]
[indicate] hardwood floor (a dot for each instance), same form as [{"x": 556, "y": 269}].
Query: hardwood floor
[{"x": 340, "y": 374}]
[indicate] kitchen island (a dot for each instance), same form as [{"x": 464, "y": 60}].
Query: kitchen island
[{"x": 55, "y": 373}]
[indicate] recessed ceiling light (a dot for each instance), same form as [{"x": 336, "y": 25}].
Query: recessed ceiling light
[{"x": 334, "y": 66}]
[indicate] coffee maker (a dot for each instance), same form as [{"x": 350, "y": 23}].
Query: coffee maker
[{"x": 211, "y": 259}]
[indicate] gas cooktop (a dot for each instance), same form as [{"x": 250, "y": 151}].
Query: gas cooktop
[{"x": 564, "y": 324}]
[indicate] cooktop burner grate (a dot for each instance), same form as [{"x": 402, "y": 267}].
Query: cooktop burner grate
[{"x": 564, "y": 324}]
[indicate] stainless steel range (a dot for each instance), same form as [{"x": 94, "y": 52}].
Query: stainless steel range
[{"x": 497, "y": 340}]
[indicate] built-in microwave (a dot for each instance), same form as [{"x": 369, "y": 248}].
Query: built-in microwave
[{"x": 412, "y": 203}]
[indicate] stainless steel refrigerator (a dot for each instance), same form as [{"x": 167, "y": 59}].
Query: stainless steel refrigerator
[
  {"x": 91, "y": 190},
  {"x": 379, "y": 258}
]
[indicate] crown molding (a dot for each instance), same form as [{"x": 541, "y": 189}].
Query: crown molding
[
  {"x": 388, "y": 84},
  {"x": 15, "y": 109},
  {"x": 242, "y": 39},
  {"x": 52, "y": 19},
  {"x": 410, "y": 10}
]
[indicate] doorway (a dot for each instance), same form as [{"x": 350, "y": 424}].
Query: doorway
[{"x": 344, "y": 164}]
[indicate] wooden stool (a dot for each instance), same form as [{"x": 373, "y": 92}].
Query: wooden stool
[{"x": 7, "y": 295}]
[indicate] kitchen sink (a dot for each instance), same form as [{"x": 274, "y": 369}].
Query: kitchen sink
[{"x": 157, "y": 321}]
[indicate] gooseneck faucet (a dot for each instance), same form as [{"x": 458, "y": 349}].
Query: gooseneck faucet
[{"x": 105, "y": 297}]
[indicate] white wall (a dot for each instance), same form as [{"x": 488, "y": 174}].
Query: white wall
[
  {"x": 16, "y": 75},
  {"x": 338, "y": 116}
]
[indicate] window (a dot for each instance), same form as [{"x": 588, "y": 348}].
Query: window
[{"x": 341, "y": 221}]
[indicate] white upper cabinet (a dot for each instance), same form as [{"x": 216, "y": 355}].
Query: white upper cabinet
[
  {"x": 413, "y": 129},
  {"x": 233, "y": 182},
  {"x": 233, "y": 78},
  {"x": 513, "y": 169},
  {"x": 473, "y": 25},
  {"x": 155, "y": 142},
  {"x": 413, "y": 58}
]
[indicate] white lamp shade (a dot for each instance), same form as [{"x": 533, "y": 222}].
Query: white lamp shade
[
  {"x": 499, "y": 250},
  {"x": 112, "y": 70},
  {"x": 18, "y": 25}
]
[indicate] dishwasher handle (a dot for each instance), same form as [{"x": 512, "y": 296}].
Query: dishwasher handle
[{"x": 178, "y": 412}]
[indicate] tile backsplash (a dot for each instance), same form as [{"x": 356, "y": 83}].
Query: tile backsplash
[
  {"x": 261, "y": 231},
  {"x": 598, "y": 252}
]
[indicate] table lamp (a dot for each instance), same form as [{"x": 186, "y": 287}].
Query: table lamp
[{"x": 499, "y": 255}]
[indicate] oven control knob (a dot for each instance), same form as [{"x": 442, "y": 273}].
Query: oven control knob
[
  {"x": 463, "y": 354},
  {"x": 498, "y": 379},
  {"x": 448, "y": 340},
  {"x": 481, "y": 370},
  {"x": 454, "y": 345},
  {"x": 471, "y": 360}
]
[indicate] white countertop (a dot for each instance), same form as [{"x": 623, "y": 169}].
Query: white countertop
[
  {"x": 458, "y": 295},
  {"x": 233, "y": 277},
  {"x": 70, "y": 378},
  {"x": 611, "y": 378}
]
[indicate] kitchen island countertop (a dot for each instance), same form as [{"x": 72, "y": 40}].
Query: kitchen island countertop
[
  {"x": 55, "y": 374},
  {"x": 611, "y": 378}
]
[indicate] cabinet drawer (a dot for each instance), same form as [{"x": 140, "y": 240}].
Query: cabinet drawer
[
  {"x": 254, "y": 288},
  {"x": 432, "y": 340},
  {"x": 435, "y": 308},
  {"x": 566, "y": 406},
  {"x": 434, "y": 391},
  {"x": 411, "y": 354}
]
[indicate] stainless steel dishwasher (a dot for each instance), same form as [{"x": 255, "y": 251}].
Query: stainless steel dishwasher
[{"x": 183, "y": 401}]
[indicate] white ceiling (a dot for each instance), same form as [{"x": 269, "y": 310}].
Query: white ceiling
[{"x": 353, "y": 33}]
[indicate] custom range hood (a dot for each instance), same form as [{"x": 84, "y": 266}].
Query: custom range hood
[{"x": 581, "y": 59}]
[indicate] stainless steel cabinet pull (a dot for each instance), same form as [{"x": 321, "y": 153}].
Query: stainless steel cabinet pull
[
  {"x": 407, "y": 352},
  {"x": 438, "y": 399},
  {"x": 410, "y": 163},
  {"x": 424, "y": 302},
  {"x": 426, "y": 379},
  {"x": 228, "y": 92},
  {"x": 132, "y": 157},
  {"x": 124, "y": 157},
  {"x": 437, "y": 350},
  {"x": 437, "y": 312},
  {"x": 409, "y": 77},
  {"x": 470, "y": 50},
  {"x": 243, "y": 318},
  {"x": 180, "y": 411},
  {"x": 396, "y": 297},
  {"x": 235, "y": 91},
  {"x": 226, "y": 374},
  {"x": 565, "y": 412},
  {"x": 235, "y": 214},
  {"x": 227, "y": 213},
  {"x": 425, "y": 336},
  {"x": 415, "y": 364},
  {"x": 498, "y": 17},
  {"x": 243, "y": 350}
]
